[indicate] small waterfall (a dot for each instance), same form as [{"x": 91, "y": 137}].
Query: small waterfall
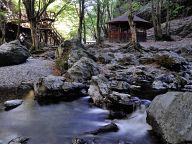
[{"x": 135, "y": 124}]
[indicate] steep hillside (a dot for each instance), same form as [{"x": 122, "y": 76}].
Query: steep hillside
[
  {"x": 179, "y": 8},
  {"x": 179, "y": 28}
]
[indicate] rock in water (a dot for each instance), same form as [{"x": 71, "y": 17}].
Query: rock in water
[
  {"x": 13, "y": 53},
  {"x": 19, "y": 140},
  {"x": 171, "y": 118},
  {"x": 99, "y": 90},
  {"x": 78, "y": 141},
  {"x": 116, "y": 115},
  {"x": 112, "y": 127},
  {"x": 12, "y": 104},
  {"x": 51, "y": 88},
  {"x": 24, "y": 88},
  {"x": 102, "y": 95}
]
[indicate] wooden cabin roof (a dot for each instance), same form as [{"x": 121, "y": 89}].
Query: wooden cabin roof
[{"x": 124, "y": 18}]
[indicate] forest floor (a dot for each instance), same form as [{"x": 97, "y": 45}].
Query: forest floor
[
  {"x": 167, "y": 44},
  {"x": 34, "y": 68},
  {"x": 43, "y": 64},
  {"x": 158, "y": 44}
]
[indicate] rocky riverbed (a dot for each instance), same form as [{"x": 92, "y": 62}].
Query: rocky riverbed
[
  {"x": 120, "y": 78},
  {"x": 117, "y": 78},
  {"x": 15, "y": 78}
]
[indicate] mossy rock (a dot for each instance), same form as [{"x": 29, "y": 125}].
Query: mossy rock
[{"x": 62, "y": 55}]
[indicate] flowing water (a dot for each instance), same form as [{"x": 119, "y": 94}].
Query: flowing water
[{"x": 59, "y": 123}]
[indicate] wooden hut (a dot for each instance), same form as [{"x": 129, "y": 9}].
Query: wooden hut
[
  {"x": 119, "y": 31},
  {"x": 46, "y": 32},
  {"x": 11, "y": 29}
]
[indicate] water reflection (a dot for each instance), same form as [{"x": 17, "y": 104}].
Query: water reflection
[{"x": 59, "y": 123}]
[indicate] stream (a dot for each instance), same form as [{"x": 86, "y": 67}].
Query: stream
[{"x": 60, "y": 123}]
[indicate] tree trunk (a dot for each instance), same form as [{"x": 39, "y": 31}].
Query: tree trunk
[
  {"x": 167, "y": 19},
  {"x": 158, "y": 14},
  {"x": 81, "y": 18},
  {"x": 98, "y": 33},
  {"x": 84, "y": 28},
  {"x": 132, "y": 25},
  {"x": 19, "y": 23},
  {"x": 108, "y": 11},
  {"x": 34, "y": 16},
  {"x": 2, "y": 28},
  {"x": 34, "y": 36},
  {"x": 156, "y": 18}
]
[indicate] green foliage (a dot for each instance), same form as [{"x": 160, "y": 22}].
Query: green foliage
[
  {"x": 176, "y": 9},
  {"x": 62, "y": 56},
  {"x": 91, "y": 24},
  {"x": 67, "y": 21},
  {"x": 136, "y": 5},
  {"x": 2, "y": 13},
  {"x": 61, "y": 65}
]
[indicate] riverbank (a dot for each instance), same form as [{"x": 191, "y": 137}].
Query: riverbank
[
  {"x": 29, "y": 72},
  {"x": 117, "y": 78}
]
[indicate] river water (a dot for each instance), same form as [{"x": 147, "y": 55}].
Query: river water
[{"x": 59, "y": 123}]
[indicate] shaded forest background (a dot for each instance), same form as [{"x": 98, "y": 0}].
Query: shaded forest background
[{"x": 85, "y": 18}]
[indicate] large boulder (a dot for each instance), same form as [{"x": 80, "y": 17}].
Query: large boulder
[
  {"x": 138, "y": 80},
  {"x": 99, "y": 89},
  {"x": 171, "y": 118},
  {"x": 169, "y": 80},
  {"x": 69, "y": 53},
  {"x": 180, "y": 8},
  {"x": 54, "y": 88},
  {"x": 126, "y": 59},
  {"x": 185, "y": 50},
  {"x": 145, "y": 12},
  {"x": 62, "y": 55},
  {"x": 120, "y": 86},
  {"x": 13, "y": 53},
  {"x": 77, "y": 53},
  {"x": 82, "y": 70},
  {"x": 179, "y": 28},
  {"x": 170, "y": 60},
  {"x": 103, "y": 96},
  {"x": 105, "y": 58}
]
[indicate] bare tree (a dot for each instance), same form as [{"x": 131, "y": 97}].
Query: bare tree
[
  {"x": 98, "y": 32},
  {"x": 156, "y": 18},
  {"x": 84, "y": 32},
  {"x": 34, "y": 17},
  {"x": 168, "y": 18},
  {"x": 19, "y": 22},
  {"x": 2, "y": 29},
  {"x": 81, "y": 18},
  {"x": 3, "y": 20}
]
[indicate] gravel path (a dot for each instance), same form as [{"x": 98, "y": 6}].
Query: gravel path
[{"x": 32, "y": 70}]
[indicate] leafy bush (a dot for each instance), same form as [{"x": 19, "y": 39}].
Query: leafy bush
[
  {"x": 136, "y": 5},
  {"x": 176, "y": 9}
]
